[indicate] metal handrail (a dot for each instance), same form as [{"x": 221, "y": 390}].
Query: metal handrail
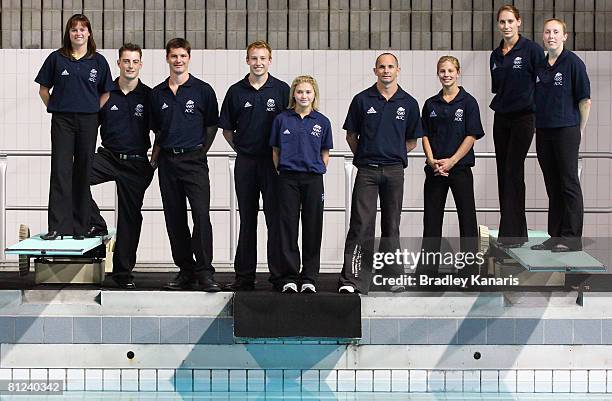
[
  {"x": 333, "y": 153},
  {"x": 233, "y": 209}
]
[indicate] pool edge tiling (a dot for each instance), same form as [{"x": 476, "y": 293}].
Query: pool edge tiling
[{"x": 453, "y": 343}]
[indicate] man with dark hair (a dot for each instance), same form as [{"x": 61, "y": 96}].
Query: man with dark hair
[
  {"x": 382, "y": 126},
  {"x": 247, "y": 113},
  {"x": 185, "y": 116},
  {"x": 122, "y": 158}
]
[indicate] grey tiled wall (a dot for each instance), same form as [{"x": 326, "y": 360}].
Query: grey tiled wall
[{"x": 301, "y": 24}]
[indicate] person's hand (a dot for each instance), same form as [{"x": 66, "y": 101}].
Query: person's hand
[
  {"x": 154, "y": 156},
  {"x": 445, "y": 165},
  {"x": 432, "y": 163}
]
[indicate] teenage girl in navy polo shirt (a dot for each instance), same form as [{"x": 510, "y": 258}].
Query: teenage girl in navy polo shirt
[
  {"x": 512, "y": 68},
  {"x": 301, "y": 138},
  {"x": 81, "y": 81},
  {"x": 562, "y": 109},
  {"x": 451, "y": 125}
]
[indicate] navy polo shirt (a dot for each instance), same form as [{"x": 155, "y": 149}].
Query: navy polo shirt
[
  {"x": 559, "y": 89},
  {"x": 383, "y": 126},
  {"x": 513, "y": 76},
  {"x": 301, "y": 141},
  {"x": 182, "y": 120},
  {"x": 125, "y": 120},
  {"x": 446, "y": 124},
  {"x": 77, "y": 84},
  {"x": 250, "y": 112}
]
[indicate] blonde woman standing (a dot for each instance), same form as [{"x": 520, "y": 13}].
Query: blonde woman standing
[{"x": 301, "y": 138}]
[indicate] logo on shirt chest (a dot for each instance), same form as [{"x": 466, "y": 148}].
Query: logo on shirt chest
[
  {"x": 138, "y": 110},
  {"x": 371, "y": 110},
  {"x": 247, "y": 104},
  {"x": 164, "y": 106},
  {"x": 270, "y": 105},
  {"x": 114, "y": 107},
  {"x": 65, "y": 73},
  {"x": 93, "y": 75},
  {"x": 518, "y": 63},
  {"x": 190, "y": 107},
  {"x": 400, "y": 114},
  {"x": 316, "y": 130},
  {"x": 433, "y": 114},
  {"x": 286, "y": 132},
  {"x": 459, "y": 115},
  {"x": 558, "y": 79},
  {"x": 494, "y": 67}
]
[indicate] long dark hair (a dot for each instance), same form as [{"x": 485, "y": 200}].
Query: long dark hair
[{"x": 66, "y": 48}]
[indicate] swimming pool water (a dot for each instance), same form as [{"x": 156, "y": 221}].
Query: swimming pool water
[{"x": 167, "y": 396}]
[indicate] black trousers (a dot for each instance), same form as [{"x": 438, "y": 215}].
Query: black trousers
[
  {"x": 132, "y": 178},
  {"x": 370, "y": 183},
  {"x": 461, "y": 183},
  {"x": 73, "y": 144},
  {"x": 512, "y": 136},
  {"x": 303, "y": 190},
  {"x": 254, "y": 176},
  {"x": 558, "y": 157},
  {"x": 184, "y": 177}
]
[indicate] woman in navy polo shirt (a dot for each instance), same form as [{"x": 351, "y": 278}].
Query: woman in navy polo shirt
[
  {"x": 301, "y": 138},
  {"x": 512, "y": 67},
  {"x": 81, "y": 80},
  {"x": 562, "y": 109},
  {"x": 451, "y": 125}
]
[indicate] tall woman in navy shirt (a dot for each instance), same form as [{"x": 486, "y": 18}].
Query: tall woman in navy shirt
[
  {"x": 81, "y": 81},
  {"x": 562, "y": 109},
  {"x": 451, "y": 125},
  {"x": 512, "y": 68},
  {"x": 301, "y": 138}
]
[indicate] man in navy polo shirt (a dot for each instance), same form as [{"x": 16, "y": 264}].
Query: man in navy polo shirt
[
  {"x": 123, "y": 159},
  {"x": 382, "y": 126},
  {"x": 247, "y": 113},
  {"x": 185, "y": 116}
]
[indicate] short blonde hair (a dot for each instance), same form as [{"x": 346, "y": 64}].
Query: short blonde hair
[
  {"x": 304, "y": 79},
  {"x": 560, "y": 21},
  {"x": 451, "y": 59}
]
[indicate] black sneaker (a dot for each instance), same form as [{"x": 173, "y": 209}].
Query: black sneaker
[
  {"x": 308, "y": 288},
  {"x": 127, "y": 283},
  {"x": 290, "y": 288},
  {"x": 182, "y": 281},
  {"x": 239, "y": 285},
  {"x": 208, "y": 284}
]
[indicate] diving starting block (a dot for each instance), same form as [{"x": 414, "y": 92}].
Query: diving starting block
[
  {"x": 546, "y": 261},
  {"x": 65, "y": 260}
]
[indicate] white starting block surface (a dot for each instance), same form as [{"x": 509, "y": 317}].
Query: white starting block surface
[
  {"x": 36, "y": 246},
  {"x": 66, "y": 261},
  {"x": 547, "y": 261}
]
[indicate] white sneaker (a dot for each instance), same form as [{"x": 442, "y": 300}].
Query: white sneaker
[
  {"x": 290, "y": 288},
  {"x": 346, "y": 289},
  {"x": 308, "y": 288},
  {"x": 397, "y": 288}
]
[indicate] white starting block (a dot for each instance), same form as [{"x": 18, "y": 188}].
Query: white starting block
[{"x": 66, "y": 261}]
